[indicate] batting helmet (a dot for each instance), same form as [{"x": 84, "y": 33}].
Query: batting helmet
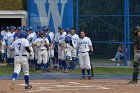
[
  {"x": 23, "y": 34},
  {"x": 68, "y": 39}
]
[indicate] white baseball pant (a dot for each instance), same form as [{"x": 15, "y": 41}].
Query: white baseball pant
[
  {"x": 21, "y": 62},
  {"x": 84, "y": 60},
  {"x": 42, "y": 56}
]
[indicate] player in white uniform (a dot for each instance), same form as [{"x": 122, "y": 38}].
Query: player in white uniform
[
  {"x": 84, "y": 46},
  {"x": 73, "y": 49},
  {"x": 61, "y": 46},
  {"x": 3, "y": 33},
  {"x": 68, "y": 46},
  {"x": 42, "y": 44},
  {"x": 29, "y": 38},
  {"x": 21, "y": 47},
  {"x": 32, "y": 37},
  {"x": 50, "y": 36},
  {"x": 9, "y": 40},
  {"x": 2, "y": 47}
]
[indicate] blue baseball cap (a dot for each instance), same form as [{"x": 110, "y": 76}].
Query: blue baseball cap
[
  {"x": 12, "y": 27},
  {"x": 60, "y": 27},
  {"x": 19, "y": 28},
  {"x": 41, "y": 32},
  {"x": 31, "y": 28},
  {"x": 24, "y": 28},
  {"x": 45, "y": 28},
  {"x": 67, "y": 30}
]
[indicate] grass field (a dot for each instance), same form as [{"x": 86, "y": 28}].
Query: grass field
[
  {"x": 4, "y": 70},
  {"x": 109, "y": 71}
]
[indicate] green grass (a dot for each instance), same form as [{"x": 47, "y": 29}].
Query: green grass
[
  {"x": 108, "y": 71},
  {"x": 4, "y": 70}
]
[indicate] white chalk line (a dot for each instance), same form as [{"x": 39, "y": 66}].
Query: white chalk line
[
  {"x": 63, "y": 86},
  {"x": 58, "y": 87}
]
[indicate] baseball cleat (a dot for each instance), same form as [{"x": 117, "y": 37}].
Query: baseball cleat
[
  {"x": 28, "y": 87},
  {"x": 133, "y": 82},
  {"x": 60, "y": 68},
  {"x": 83, "y": 78},
  {"x": 118, "y": 64},
  {"x": 13, "y": 86},
  {"x": 89, "y": 78},
  {"x": 65, "y": 71},
  {"x": 113, "y": 59}
]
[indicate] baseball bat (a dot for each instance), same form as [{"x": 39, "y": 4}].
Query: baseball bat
[{"x": 92, "y": 68}]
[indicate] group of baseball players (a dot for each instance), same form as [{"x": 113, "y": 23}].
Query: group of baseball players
[{"x": 42, "y": 47}]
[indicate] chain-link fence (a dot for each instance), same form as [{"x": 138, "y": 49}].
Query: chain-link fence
[{"x": 104, "y": 20}]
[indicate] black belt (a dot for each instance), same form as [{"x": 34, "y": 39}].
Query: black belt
[
  {"x": 22, "y": 55},
  {"x": 83, "y": 52},
  {"x": 42, "y": 49}
]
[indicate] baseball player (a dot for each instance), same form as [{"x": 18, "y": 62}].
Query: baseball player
[
  {"x": 32, "y": 37},
  {"x": 73, "y": 49},
  {"x": 4, "y": 33},
  {"x": 84, "y": 46},
  {"x": 61, "y": 46},
  {"x": 2, "y": 47},
  {"x": 56, "y": 63},
  {"x": 9, "y": 39},
  {"x": 68, "y": 46},
  {"x": 50, "y": 36},
  {"x": 42, "y": 43},
  {"x": 136, "y": 32},
  {"x": 17, "y": 33},
  {"x": 29, "y": 38},
  {"x": 21, "y": 47}
]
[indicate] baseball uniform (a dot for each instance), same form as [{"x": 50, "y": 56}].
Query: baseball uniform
[{"x": 42, "y": 50}]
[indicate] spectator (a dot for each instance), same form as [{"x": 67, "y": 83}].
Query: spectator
[{"x": 119, "y": 54}]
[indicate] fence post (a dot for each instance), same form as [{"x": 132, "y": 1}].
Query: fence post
[
  {"x": 77, "y": 16},
  {"x": 128, "y": 33},
  {"x": 125, "y": 30}
]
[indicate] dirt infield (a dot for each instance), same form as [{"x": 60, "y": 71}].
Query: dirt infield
[{"x": 73, "y": 86}]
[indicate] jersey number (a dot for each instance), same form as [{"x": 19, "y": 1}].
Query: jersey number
[{"x": 19, "y": 44}]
